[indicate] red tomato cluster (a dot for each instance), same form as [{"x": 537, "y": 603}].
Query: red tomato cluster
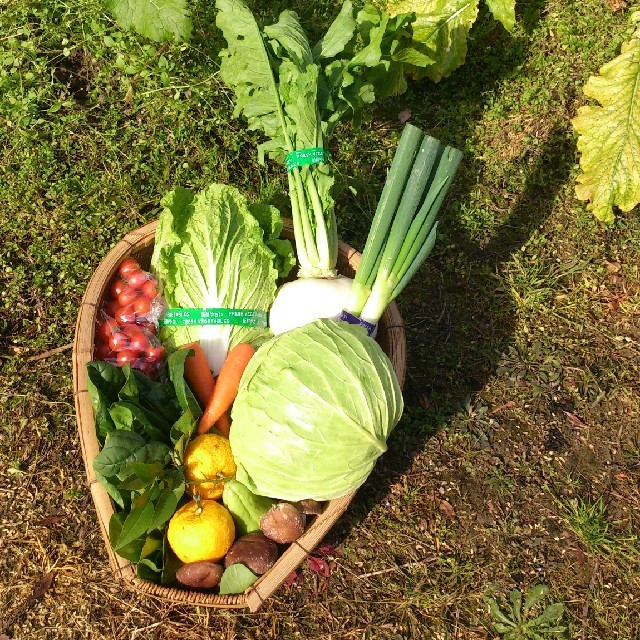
[{"x": 126, "y": 334}]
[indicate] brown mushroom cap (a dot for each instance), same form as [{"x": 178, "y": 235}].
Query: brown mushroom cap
[
  {"x": 255, "y": 551},
  {"x": 283, "y": 523}
]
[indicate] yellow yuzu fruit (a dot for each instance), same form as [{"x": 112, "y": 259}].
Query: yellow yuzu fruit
[
  {"x": 207, "y": 457},
  {"x": 201, "y": 530}
]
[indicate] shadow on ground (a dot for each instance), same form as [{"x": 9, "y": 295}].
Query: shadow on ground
[{"x": 459, "y": 317}]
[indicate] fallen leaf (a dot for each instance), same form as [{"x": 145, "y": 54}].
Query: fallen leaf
[
  {"x": 319, "y": 566},
  {"x": 293, "y": 577},
  {"x": 612, "y": 265},
  {"x": 51, "y": 521},
  {"x": 42, "y": 586},
  {"x": 446, "y": 508},
  {"x": 573, "y": 419},
  {"x": 508, "y": 405},
  {"x": 617, "y": 5},
  {"x": 404, "y": 115},
  {"x": 621, "y": 476},
  {"x": 326, "y": 550},
  {"x": 580, "y": 557}
]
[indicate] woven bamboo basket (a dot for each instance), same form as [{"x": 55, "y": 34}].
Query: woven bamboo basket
[{"x": 139, "y": 244}]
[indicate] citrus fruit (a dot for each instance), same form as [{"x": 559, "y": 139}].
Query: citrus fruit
[
  {"x": 201, "y": 531},
  {"x": 208, "y": 457}
]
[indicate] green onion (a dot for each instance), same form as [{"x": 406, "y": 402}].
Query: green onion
[{"x": 403, "y": 231}]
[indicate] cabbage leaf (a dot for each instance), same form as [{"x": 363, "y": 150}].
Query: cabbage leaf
[
  {"x": 313, "y": 413},
  {"x": 609, "y": 135},
  {"x": 157, "y": 20},
  {"x": 441, "y": 30},
  {"x": 210, "y": 253}
]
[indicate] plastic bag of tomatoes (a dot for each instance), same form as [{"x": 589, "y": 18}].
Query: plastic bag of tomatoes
[{"x": 128, "y": 320}]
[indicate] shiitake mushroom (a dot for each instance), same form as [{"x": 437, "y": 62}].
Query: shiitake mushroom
[{"x": 255, "y": 551}]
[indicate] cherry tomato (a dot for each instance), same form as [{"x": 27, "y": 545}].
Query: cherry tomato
[
  {"x": 128, "y": 265},
  {"x": 103, "y": 351},
  {"x": 142, "y": 306},
  {"x": 128, "y": 295},
  {"x": 155, "y": 353},
  {"x": 106, "y": 329},
  {"x": 119, "y": 341},
  {"x": 125, "y": 315},
  {"x": 137, "y": 278},
  {"x": 126, "y": 356},
  {"x": 149, "y": 289},
  {"x": 149, "y": 327},
  {"x": 131, "y": 329},
  {"x": 112, "y": 307},
  {"x": 139, "y": 342},
  {"x": 118, "y": 285}
]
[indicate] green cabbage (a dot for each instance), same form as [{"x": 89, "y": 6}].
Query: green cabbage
[{"x": 313, "y": 413}]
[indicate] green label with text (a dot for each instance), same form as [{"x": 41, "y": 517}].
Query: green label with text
[
  {"x": 202, "y": 317},
  {"x": 305, "y": 156}
]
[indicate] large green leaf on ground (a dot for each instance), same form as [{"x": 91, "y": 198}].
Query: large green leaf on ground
[
  {"x": 609, "y": 135},
  {"x": 158, "y": 20},
  {"x": 440, "y": 32},
  {"x": 504, "y": 11}
]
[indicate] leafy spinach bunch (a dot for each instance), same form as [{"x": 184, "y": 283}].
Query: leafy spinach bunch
[{"x": 143, "y": 427}]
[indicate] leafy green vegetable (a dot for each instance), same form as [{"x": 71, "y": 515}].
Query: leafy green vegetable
[
  {"x": 236, "y": 579},
  {"x": 295, "y": 94},
  {"x": 210, "y": 253},
  {"x": 313, "y": 412},
  {"x": 142, "y": 425},
  {"x": 158, "y": 20},
  {"x": 440, "y": 32},
  {"x": 609, "y": 135},
  {"x": 245, "y": 507}
]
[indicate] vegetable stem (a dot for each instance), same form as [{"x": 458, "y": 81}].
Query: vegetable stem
[{"x": 403, "y": 232}]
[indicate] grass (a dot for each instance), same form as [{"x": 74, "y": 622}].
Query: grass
[{"x": 522, "y": 398}]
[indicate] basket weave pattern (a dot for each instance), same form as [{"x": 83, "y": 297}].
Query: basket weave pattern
[{"x": 139, "y": 244}]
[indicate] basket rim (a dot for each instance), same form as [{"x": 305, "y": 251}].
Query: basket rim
[{"x": 138, "y": 241}]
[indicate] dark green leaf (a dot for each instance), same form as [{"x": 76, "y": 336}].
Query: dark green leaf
[
  {"x": 112, "y": 489},
  {"x": 104, "y": 381},
  {"x": 183, "y": 393},
  {"x": 122, "y": 447},
  {"x": 236, "y": 579},
  {"x": 148, "y": 570},
  {"x": 165, "y": 507},
  {"x": 133, "y": 417},
  {"x": 135, "y": 525},
  {"x": 170, "y": 565},
  {"x": 131, "y": 551}
]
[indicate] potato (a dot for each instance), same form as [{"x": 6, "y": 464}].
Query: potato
[
  {"x": 283, "y": 523},
  {"x": 255, "y": 551},
  {"x": 199, "y": 575}
]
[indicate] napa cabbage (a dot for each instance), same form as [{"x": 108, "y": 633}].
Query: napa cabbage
[{"x": 215, "y": 251}]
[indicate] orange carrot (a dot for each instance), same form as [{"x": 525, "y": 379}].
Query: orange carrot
[
  {"x": 197, "y": 373},
  {"x": 227, "y": 385},
  {"x": 223, "y": 425}
]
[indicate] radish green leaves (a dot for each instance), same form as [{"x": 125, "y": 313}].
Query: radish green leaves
[{"x": 295, "y": 93}]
